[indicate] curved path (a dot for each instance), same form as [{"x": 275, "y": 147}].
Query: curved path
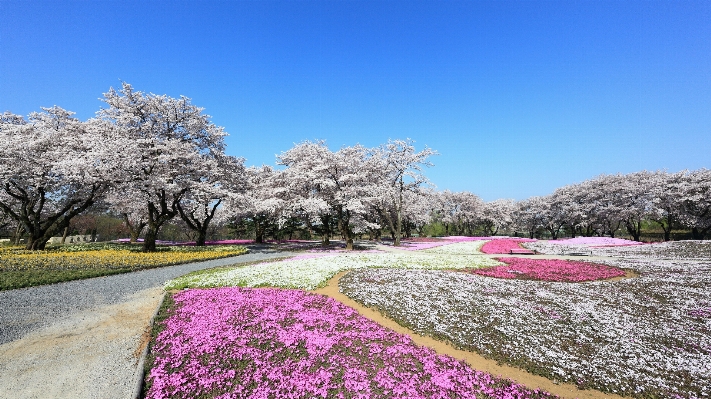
[{"x": 83, "y": 338}]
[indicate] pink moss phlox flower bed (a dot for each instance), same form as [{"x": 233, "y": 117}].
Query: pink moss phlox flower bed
[
  {"x": 503, "y": 246},
  {"x": 467, "y": 239},
  {"x": 272, "y": 343},
  {"x": 596, "y": 242},
  {"x": 550, "y": 270}
]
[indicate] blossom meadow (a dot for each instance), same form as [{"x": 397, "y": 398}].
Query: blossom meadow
[
  {"x": 275, "y": 343},
  {"x": 459, "y": 248},
  {"x": 550, "y": 270},
  {"x": 504, "y": 246},
  {"x": 310, "y": 272},
  {"x": 691, "y": 249},
  {"x": 646, "y": 337}
]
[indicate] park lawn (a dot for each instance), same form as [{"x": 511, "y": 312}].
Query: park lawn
[{"x": 20, "y": 268}]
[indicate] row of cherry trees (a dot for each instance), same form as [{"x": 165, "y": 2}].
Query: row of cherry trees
[
  {"x": 152, "y": 159},
  {"x": 604, "y": 205},
  {"x": 155, "y": 159},
  {"x": 609, "y": 203}
]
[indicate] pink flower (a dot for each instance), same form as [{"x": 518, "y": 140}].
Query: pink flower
[
  {"x": 265, "y": 342},
  {"x": 550, "y": 270},
  {"x": 504, "y": 245}
]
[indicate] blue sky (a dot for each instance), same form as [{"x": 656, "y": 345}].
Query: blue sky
[{"x": 518, "y": 97}]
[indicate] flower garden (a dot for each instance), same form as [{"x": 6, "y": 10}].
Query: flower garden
[
  {"x": 21, "y": 268},
  {"x": 273, "y": 343},
  {"x": 646, "y": 337}
]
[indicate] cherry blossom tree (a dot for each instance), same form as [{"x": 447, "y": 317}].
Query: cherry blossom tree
[
  {"x": 53, "y": 167},
  {"x": 172, "y": 146},
  {"x": 225, "y": 176},
  {"x": 496, "y": 215},
  {"x": 345, "y": 180},
  {"x": 667, "y": 189},
  {"x": 695, "y": 202},
  {"x": 528, "y": 215},
  {"x": 261, "y": 205},
  {"x": 402, "y": 167}
]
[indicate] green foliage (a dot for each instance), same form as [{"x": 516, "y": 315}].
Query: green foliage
[
  {"x": 436, "y": 229},
  {"x": 165, "y": 310}
]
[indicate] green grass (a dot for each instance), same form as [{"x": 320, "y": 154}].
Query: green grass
[{"x": 158, "y": 326}]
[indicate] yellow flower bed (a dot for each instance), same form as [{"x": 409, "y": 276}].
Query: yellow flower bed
[{"x": 107, "y": 258}]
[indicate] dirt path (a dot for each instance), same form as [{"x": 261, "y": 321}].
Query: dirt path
[
  {"x": 473, "y": 359},
  {"x": 92, "y": 354}
]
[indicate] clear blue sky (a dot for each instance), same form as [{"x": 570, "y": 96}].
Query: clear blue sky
[{"x": 518, "y": 97}]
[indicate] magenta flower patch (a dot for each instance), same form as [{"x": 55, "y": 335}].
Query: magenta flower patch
[
  {"x": 550, "y": 270},
  {"x": 503, "y": 246},
  {"x": 272, "y": 343}
]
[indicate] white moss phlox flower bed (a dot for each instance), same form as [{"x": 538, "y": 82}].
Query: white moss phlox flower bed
[
  {"x": 312, "y": 273},
  {"x": 460, "y": 248},
  {"x": 648, "y": 336}
]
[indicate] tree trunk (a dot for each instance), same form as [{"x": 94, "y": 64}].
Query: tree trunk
[
  {"x": 65, "y": 234},
  {"x": 201, "y": 238},
  {"x": 398, "y": 233},
  {"x": 666, "y": 224},
  {"x": 344, "y": 219},
  {"x": 134, "y": 231},
  {"x": 149, "y": 241},
  {"x": 554, "y": 233},
  {"x": 634, "y": 228},
  {"x": 157, "y": 216},
  {"x": 258, "y": 231},
  {"x": 18, "y": 233},
  {"x": 326, "y": 222},
  {"x": 200, "y": 226}
]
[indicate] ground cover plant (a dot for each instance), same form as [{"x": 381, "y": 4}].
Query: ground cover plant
[
  {"x": 504, "y": 245},
  {"x": 263, "y": 343},
  {"x": 691, "y": 249},
  {"x": 424, "y": 243},
  {"x": 314, "y": 271},
  {"x": 648, "y": 336},
  {"x": 550, "y": 270},
  {"x": 458, "y": 248},
  {"x": 21, "y": 268},
  {"x": 596, "y": 242}
]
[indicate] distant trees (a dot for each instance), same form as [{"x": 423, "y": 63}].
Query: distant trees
[{"x": 607, "y": 204}]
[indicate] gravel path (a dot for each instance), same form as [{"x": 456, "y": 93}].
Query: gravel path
[{"x": 83, "y": 338}]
